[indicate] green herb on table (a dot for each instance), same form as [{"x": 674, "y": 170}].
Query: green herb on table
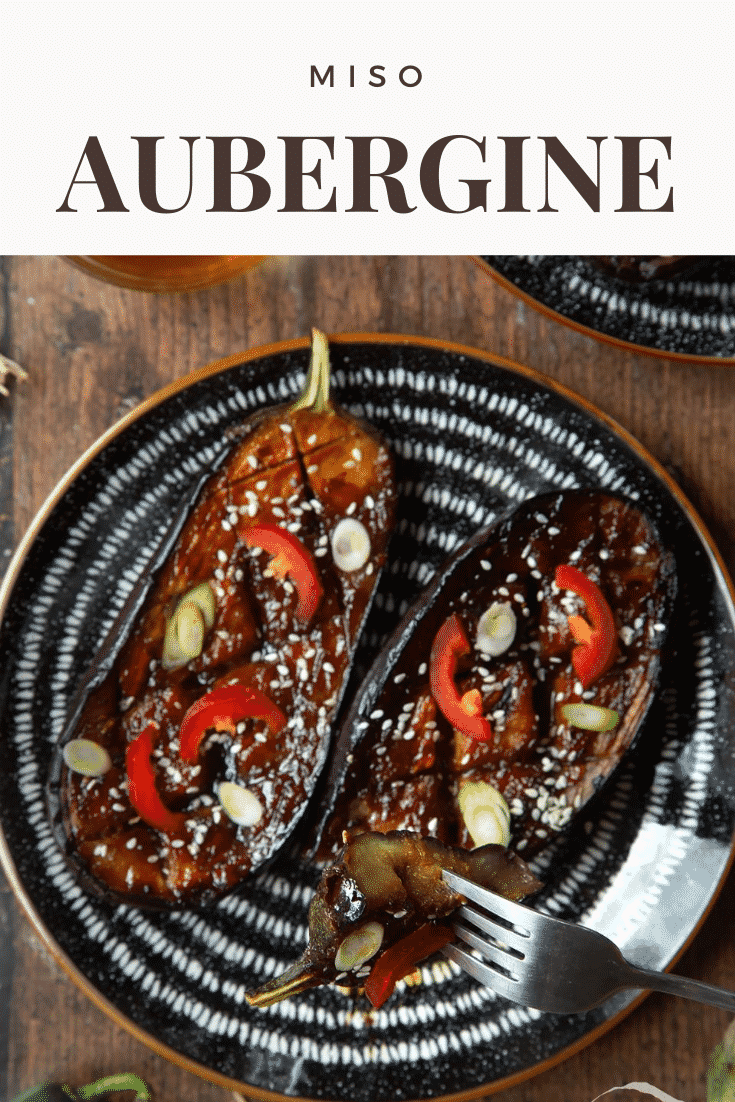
[
  {"x": 721, "y": 1074},
  {"x": 61, "y": 1092}
]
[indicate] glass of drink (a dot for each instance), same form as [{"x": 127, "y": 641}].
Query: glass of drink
[{"x": 165, "y": 273}]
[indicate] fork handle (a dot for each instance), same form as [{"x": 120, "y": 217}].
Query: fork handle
[{"x": 686, "y": 988}]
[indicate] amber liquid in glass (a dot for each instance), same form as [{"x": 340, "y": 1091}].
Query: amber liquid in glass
[{"x": 165, "y": 273}]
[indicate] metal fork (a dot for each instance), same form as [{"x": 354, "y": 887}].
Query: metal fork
[{"x": 548, "y": 964}]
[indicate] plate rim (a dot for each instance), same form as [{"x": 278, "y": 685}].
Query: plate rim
[
  {"x": 219, "y": 366},
  {"x": 597, "y": 334}
]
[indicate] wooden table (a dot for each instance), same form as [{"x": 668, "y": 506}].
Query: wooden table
[{"x": 93, "y": 352}]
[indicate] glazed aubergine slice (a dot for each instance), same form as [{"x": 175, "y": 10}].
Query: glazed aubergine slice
[
  {"x": 378, "y": 909},
  {"x": 194, "y": 759},
  {"x": 512, "y": 689}
]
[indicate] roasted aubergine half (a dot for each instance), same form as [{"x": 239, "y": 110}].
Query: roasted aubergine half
[
  {"x": 515, "y": 685},
  {"x": 378, "y": 910},
  {"x": 195, "y": 758}
]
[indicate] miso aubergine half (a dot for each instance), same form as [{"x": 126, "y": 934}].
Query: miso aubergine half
[
  {"x": 512, "y": 689},
  {"x": 195, "y": 757}
]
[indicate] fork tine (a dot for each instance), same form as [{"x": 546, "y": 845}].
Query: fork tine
[
  {"x": 496, "y": 953},
  {"x": 485, "y": 973},
  {"x": 524, "y": 919},
  {"x": 514, "y": 913},
  {"x": 515, "y": 942}
]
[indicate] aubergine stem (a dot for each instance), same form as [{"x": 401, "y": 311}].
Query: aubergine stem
[
  {"x": 315, "y": 395},
  {"x": 299, "y": 977}
]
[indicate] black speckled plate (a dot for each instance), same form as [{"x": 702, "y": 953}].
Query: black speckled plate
[
  {"x": 471, "y": 434},
  {"x": 689, "y": 316}
]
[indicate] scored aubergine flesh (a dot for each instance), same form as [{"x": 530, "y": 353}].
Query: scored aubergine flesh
[
  {"x": 398, "y": 762},
  {"x": 381, "y": 889},
  {"x": 229, "y": 608}
]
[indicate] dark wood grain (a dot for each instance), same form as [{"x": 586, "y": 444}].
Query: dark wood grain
[{"x": 93, "y": 352}]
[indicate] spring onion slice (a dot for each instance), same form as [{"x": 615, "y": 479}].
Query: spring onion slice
[
  {"x": 83, "y": 755},
  {"x": 485, "y": 812},
  {"x": 496, "y": 629},
  {"x": 589, "y": 717}
]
